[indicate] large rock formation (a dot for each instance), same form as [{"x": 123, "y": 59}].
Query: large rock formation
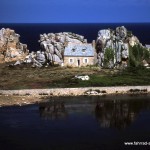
[
  {"x": 10, "y": 47},
  {"x": 113, "y": 46},
  {"x": 54, "y": 44},
  {"x": 52, "y": 48}
]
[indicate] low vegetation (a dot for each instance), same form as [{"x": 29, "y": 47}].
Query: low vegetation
[
  {"x": 108, "y": 56},
  {"x": 136, "y": 56},
  {"x": 25, "y": 77}
]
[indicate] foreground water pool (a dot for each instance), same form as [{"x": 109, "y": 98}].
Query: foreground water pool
[{"x": 77, "y": 123}]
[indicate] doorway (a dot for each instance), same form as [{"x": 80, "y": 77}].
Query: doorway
[{"x": 78, "y": 63}]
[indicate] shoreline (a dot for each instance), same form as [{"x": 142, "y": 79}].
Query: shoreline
[
  {"x": 77, "y": 91},
  {"x": 32, "y": 96}
]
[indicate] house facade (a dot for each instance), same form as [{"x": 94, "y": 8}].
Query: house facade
[
  {"x": 77, "y": 55},
  {"x": 147, "y": 46}
]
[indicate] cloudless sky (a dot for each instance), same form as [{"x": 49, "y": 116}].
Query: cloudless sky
[{"x": 74, "y": 11}]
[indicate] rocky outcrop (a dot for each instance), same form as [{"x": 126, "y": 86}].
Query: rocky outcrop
[
  {"x": 10, "y": 47},
  {"x": 54, "y": 44},
  {"x": 53, "y": 47},
  {"x": 113, "y": 46}
]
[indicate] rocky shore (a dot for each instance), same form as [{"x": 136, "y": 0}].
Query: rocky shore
[{"x": 30, "y": 96}]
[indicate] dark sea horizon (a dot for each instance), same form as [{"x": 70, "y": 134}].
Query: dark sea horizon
[{"x": 30, "y": 32}]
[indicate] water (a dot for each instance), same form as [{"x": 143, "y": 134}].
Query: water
[
  {"x": 30, "y": 32},
  {"x": 77, "y": 123}
]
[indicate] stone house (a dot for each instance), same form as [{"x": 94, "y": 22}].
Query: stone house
[
  {"x": 147, "y": 46},
  {"x": 77, "y": 55}
]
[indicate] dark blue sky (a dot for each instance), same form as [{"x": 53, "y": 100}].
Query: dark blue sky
[{"x": 74, "y": 11}]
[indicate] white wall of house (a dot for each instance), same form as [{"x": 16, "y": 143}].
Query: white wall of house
[{"x": 78, "y": 61}]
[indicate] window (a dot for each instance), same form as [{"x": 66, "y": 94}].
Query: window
[
  {"x": 83, "y": 50},
  {"x": 85, "y": 60},
  {"x": 71, "y": 60},
  {"x": 73, "y": 50}
]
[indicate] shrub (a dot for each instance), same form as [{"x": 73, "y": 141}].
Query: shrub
[
  {"x": 136, "y": 55},
  {"x": 108, "y": 56},
  {"x": 129, "y": 33}
]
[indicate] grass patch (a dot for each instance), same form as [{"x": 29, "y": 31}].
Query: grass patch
[{"x": 55, "y": 77}]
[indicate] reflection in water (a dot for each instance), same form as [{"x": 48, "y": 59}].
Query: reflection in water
[
  {"x": 108, "y": 113},
  {"x": 53, "y": 110},
  {"x": 76, "y": 123},
  {"x": 116, "y": 113}
]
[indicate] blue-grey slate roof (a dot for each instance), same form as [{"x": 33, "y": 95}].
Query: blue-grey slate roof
[
  {"x": 80, "y": 50},
  {"x": 147, "y": 46}
]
